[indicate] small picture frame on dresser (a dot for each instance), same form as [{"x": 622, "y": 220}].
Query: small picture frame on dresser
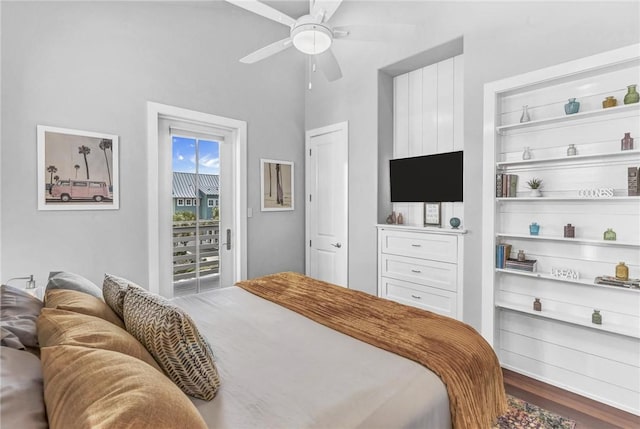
[{"x": 431, "y": 214}]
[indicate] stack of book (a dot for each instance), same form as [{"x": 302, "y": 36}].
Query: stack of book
[
  {"x": 526, "y": 265},
  {"x": 503, "y": 251},
  {"x": 613, "y": 281},
  {"x": 506, "y": 185}
]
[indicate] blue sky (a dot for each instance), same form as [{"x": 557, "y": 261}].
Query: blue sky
[{"x": 184, "y": 156}]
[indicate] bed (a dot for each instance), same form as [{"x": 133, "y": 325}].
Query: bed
[{"x": 280, "y": 366}]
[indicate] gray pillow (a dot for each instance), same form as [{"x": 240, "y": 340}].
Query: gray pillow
[
  {"x": 18, "y": 316},
  {"x": 66, "y": 280},
  {"x": 22, "y": 395}
]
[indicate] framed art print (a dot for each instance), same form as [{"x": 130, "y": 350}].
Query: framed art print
[
  {"x": 77, "y": 170},
  {"x": 276, "y": 185},
  {"x": 432, "y": 214}
]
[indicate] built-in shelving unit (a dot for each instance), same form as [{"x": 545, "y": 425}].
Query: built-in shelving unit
[
  {"x": 564, "y": 119},
  {"x": 560, "y": 344},
  {"x": 596, "y": 242}
]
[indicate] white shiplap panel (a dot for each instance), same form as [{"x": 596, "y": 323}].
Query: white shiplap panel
[
  {"x": 429, "y": 109},
  {"x": 568, "y": 379},
  {"x": 401, "y": 116},
  {"x": 458, "y": 103},
  {"x": 605, "y": 370},
  {"x": 415, "y": 113},
  {"x": 445, "y": 106},
  {"x": 615, "y": 347}
]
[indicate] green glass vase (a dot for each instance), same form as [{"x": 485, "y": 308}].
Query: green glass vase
[{"x": 632, "y": 95}]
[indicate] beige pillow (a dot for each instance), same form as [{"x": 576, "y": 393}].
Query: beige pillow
[
  {"x": 71, "y": 300},
  {"x": 103, "y": 389},
  {"x": 114, "y": 289},
  {"x": 173, "y": 340},
  {"x": 60, "y": 327}
]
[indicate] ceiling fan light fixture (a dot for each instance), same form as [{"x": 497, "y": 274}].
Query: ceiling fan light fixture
[{"x": 311, "y": 38}]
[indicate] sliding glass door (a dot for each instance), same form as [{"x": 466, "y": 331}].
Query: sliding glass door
[{"x": 195, "y": 212}]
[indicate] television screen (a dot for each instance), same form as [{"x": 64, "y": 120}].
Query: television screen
[{"x": 430, "y": 178}]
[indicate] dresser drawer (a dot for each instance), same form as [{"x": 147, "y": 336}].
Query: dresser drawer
[
  {"x": 442, "y": 275},
  {"x": 427, "y": 298},
  {"x": 436, "y": 247}
]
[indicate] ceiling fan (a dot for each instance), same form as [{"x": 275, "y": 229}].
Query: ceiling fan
[{"x": 310, "y": 34}]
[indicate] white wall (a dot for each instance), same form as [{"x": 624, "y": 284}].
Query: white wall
[
  {"x": 93, "y": 66},
  {"x": 500, "y": 39}
]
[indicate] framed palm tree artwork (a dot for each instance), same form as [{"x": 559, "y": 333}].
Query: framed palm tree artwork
[
  {"x": 77, "y": 170},
  {"x": 276, "y": 185}
]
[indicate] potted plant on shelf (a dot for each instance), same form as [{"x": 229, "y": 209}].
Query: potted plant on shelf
[{"x": 535, "y": 184}]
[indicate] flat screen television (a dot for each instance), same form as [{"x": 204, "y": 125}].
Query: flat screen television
[{"x": 429, "y": 178}]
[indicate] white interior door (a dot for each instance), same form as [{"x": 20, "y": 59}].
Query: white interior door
[{"x": 327, "y": 209}]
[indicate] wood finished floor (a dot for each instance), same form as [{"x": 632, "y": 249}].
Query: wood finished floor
[{"x": 587, "y": 413}]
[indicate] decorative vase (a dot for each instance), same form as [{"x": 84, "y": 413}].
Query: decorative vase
[
  {"x": 525, "y": 114},
  {"x": 526, "y": 154},
  {"x": 521, "y": 256},
  {"x": 622, "y": 272},
  {"x": 569, "y": 231},
  {"x": 536, "y": 193},
  {"x": 632, "y": 95},
  {"x": 627, "y": 142},
  {"x": 400, "y": 219},
  {"x": 572, "y": 106},
  {"x": 610, "y": 101},
  {"x": 454, "y": 222},
  {"x": 571, "y": 150},
  {"x": 394, "y": 219},
  {"x": 596, "y": 317},
  {"x": 610, "y": 234},
  {"x": 537, "y": 305},
  {"x": 534, "y": 228}
]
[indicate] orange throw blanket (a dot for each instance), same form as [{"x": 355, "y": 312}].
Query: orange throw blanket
[{"x": 453, "y": 350}]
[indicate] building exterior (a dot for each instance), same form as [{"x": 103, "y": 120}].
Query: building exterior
[{"x": 186, "y": 199}]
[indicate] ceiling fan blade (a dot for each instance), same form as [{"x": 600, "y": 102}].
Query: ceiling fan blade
[
  {"x": 389, "y": 33},
  {"x": 326, "y": 8},
  {"x": 329, "y": 65},
  {"x": 268, "y": 50},
  {"x": 264, "y": 10}
]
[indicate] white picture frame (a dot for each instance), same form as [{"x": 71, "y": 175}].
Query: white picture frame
[
  {"x": 84, "y": 165},
  {"x": 432, "y": 213},
  {"x": 276, "y": 185}
]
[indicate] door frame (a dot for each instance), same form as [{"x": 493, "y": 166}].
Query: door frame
[
  {"x": 237, "y": 129},
  {"x": 309, "y": 134}
]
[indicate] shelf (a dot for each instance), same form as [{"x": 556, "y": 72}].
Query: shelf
[
  {"x": 578, "y": 282},
  {"x": 627, "y": 331},
  {"x": 570, "y": 159},
  {"x": 612, "y": 243},
  {"x": 430, "y": 229},
  {"x": 637, "y": 198},
  {"x": 570, "y": 118}
]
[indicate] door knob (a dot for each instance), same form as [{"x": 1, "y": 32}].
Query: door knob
[{"x": 338, "y": 245}]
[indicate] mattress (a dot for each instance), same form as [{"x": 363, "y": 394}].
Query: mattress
[{"x": 282, "y": 370}]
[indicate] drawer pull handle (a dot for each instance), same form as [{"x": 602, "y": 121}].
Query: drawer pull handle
[
  {"x": 416, "y": 245},
  {"x": 416, "y": 296},
  {"x": 416, "y": 271}
]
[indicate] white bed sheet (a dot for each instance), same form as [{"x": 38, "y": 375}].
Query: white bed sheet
[{"x": 282, "y": 370}]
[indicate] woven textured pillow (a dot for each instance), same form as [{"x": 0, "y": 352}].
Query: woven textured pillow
[
  {"x": 67, "y": 328},
  {"x": 173, "y": 340},
  {"x": 103, "y": 389},
  {"x": 80, "y": 302},
  {"x": 114, "y": 289}
]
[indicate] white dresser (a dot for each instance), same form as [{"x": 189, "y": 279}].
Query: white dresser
[{"x": 421, "y": 267}]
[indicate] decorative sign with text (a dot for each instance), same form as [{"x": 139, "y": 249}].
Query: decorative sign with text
[
  {"x": 596, "y": 193},
  {"x": 565, "y": 273}
]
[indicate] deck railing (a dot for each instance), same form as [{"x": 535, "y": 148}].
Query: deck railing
[{"x": 184, "y": 248}]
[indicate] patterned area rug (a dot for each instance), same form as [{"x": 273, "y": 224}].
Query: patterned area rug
[{"x": 523, "y": 415}]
